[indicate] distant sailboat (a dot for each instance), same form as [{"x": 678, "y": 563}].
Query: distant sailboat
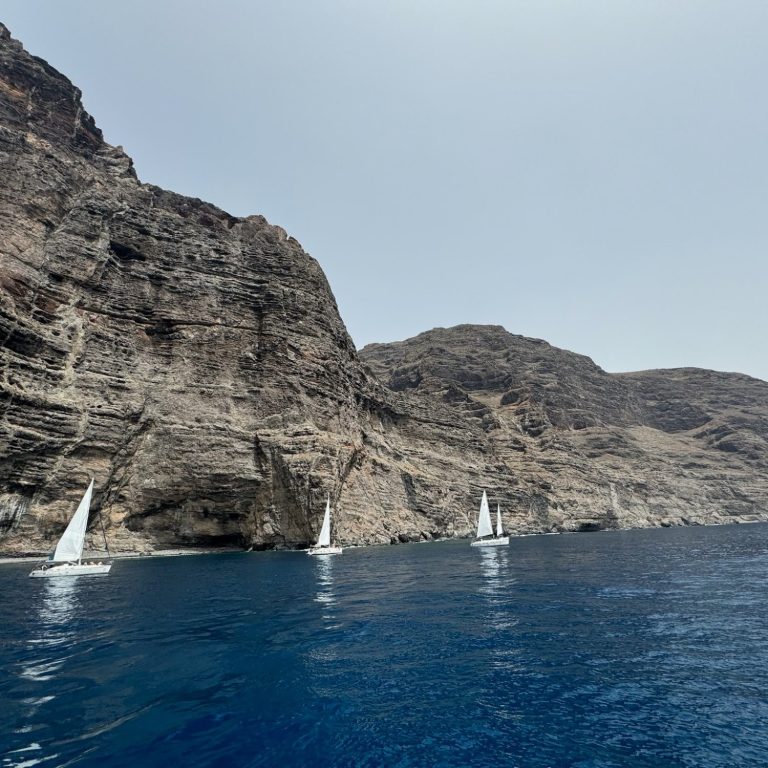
[
  {"x": 323, "y": 546},
  {"x": 67, "y": 559},
  {"x": 484, "y": 536}
]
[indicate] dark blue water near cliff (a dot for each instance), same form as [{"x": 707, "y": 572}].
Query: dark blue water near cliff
[{"x": 642, "y": 648}]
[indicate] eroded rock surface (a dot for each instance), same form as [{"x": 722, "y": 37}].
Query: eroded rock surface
[
  {"x": 196, "y": 366},
  {"x": 193, "y": 363},
  {"x": 571, "y": 447}
]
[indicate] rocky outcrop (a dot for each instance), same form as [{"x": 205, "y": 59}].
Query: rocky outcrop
[
  {"x": 196, "y": 366},
  {"x": 193, "y": 363},
  {"x": 576, "y": 448}
]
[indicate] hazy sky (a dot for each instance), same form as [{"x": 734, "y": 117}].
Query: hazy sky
[{"x": 594, "y": 173}]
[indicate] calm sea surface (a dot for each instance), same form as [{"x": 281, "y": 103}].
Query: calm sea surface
[{"x": 638, "y": 648}]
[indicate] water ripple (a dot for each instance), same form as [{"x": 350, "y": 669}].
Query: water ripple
[{"x": 640, "y": 649}]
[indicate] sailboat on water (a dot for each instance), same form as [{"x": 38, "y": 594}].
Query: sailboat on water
[
  {"x": 67, "y": 559},
  {"x": 484, "y": 536},
  {"x": 323, "y": 546}
]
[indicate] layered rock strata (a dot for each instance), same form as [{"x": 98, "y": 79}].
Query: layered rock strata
[
  {"x": 575, "y": 448},
  {"x": 196, "y": 366}
]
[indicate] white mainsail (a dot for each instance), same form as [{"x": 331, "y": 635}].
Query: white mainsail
[
  {"x": 498, "y": 521},
  {"x": 484, "y": 527},
  {"x": 324, "y": 539},
  {"x": 70, "y": 546}
]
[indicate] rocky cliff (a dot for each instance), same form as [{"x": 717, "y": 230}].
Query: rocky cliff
[
  {"x": 571, "y": 447},
  {"x": 196, "y": 366},
  {"x": 193, "y": 363}
]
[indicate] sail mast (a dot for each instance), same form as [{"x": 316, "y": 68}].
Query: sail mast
[{"x": 104, "y": 533}]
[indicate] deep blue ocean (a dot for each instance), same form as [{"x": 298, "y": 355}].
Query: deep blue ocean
[{"x": 635, "y": 648}]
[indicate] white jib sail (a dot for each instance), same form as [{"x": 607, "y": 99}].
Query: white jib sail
[
  {"x": 70, "y": 546},
  {"x": 484, "y": 527},
  {"x": 498, "y": 521},
  {"x": 324, "y": 539}
]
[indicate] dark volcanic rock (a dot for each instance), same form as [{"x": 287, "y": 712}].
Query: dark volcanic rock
[
  {"x": 193, "y": 363},
  {"x": 196, "y": 366}
]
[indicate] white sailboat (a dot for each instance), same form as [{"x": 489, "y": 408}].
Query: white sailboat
[
  {"x": 323, "y": 546},
  {"x": 67, "y": 559},
  {"x": 484, "y": 536}
]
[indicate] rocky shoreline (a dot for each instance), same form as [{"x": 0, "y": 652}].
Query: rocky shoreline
[{"x": 35, "y": 557}]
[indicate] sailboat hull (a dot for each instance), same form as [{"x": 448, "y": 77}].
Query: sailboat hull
[
  {"x": 497, "y": 541},
  {"x": 324, "y": 551},
  {"x": 71, "y": 569}
]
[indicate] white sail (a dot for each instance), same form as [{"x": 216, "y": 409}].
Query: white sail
[
  {"x": 70, "y": 546},
  {"x": 498, "y": 521},
  {"x": 484, "y": 527},
  {"x": 324, "y": 539}
]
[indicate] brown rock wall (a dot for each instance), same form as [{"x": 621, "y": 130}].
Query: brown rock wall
[{"x": 196, "y": 366}]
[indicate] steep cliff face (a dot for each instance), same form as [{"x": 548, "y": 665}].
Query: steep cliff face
[
  {"x": 196, "y": 366},
  {"x": 193, "y": 363},
  {"x": 568, "y": 446}
]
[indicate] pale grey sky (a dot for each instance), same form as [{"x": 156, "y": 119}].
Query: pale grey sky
[{"x": 590, "y": 172}]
